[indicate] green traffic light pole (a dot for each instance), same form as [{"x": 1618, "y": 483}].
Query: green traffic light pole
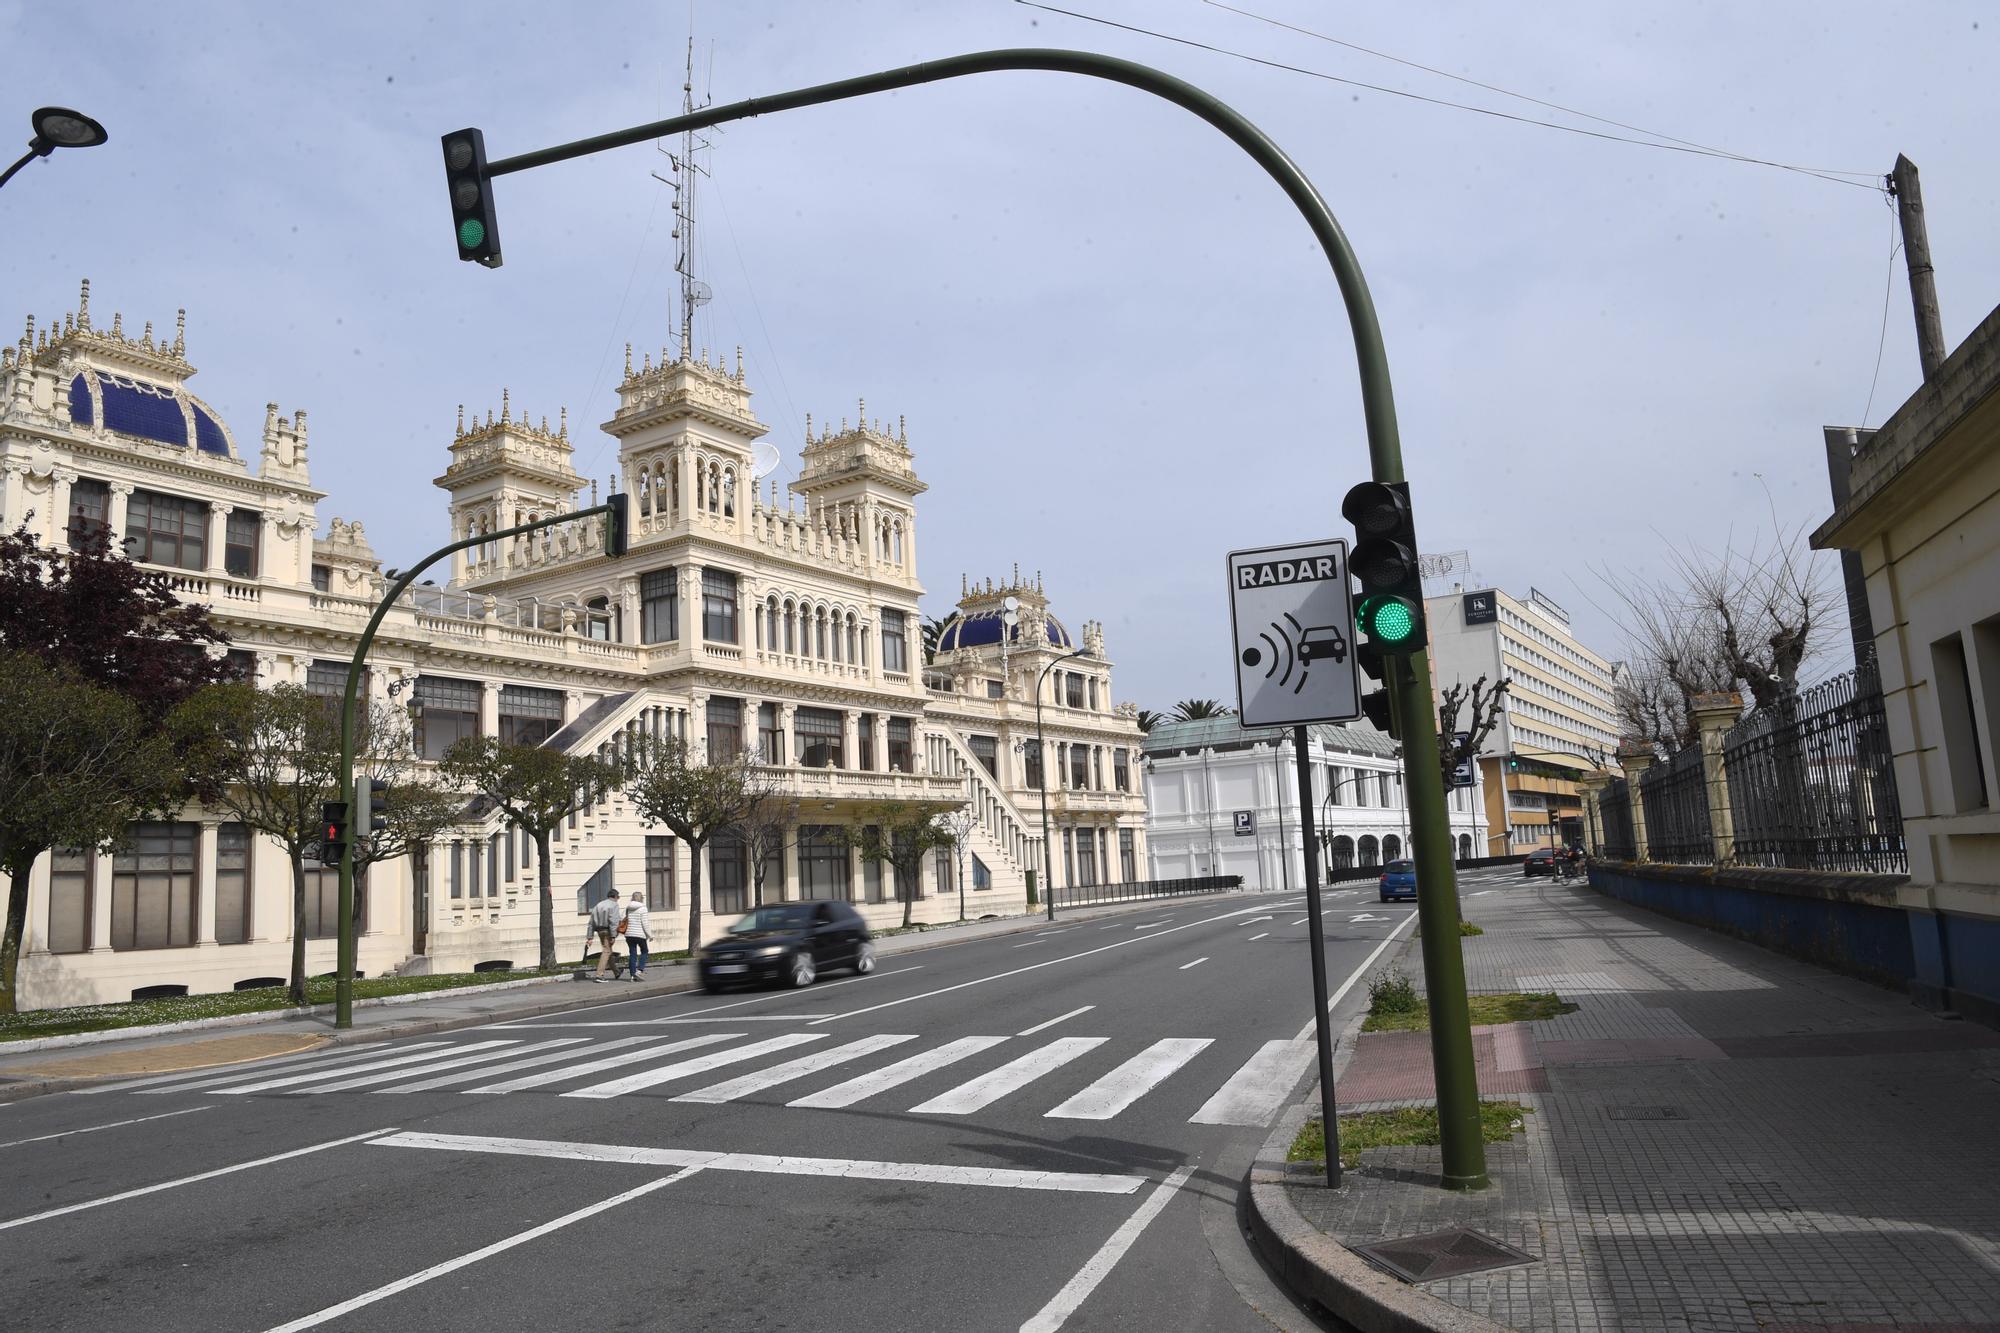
[
  {"x": 1464, "y": 1149},
  {"x": 343, "y": 985}
]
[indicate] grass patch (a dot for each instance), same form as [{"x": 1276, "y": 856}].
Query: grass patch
[
  {"x": 319, "y": 990},
  {"x": 1464, "y": 928},
  {"x": 1508, "y": 1008},
  {"x": 1412, "y": 1125}
]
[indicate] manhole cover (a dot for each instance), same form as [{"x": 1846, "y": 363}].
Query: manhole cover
[
  {"x": 1442, "y": 1254},
  {"x": 1646, "y": 1113}
]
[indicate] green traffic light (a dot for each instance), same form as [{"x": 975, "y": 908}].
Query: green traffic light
[
  {"x": 1392, "y": 621},
  {"x": 471, "y": 234}
]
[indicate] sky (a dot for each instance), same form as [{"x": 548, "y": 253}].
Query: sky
[{"x": 1118, "y": 351}]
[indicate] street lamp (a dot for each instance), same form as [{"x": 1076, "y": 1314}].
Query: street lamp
[
  {"x": 57, "y": 127},
  {"x": 1042, "y": 772}
]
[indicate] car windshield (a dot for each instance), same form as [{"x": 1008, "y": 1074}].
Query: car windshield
[
  {"x": 788, "y": 917},
  {"x": 1398, "y": 868}
]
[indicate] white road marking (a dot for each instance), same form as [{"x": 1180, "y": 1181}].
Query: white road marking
[
  {"x": 1263, "y": 935},
  {"x": 336, "y": 1065},
  {"x": 1060, "y": 930},
  {"x": 740, "y": 1018},
  {"x": 189, "y": 1180},
  {"x": 979, "y": 1093},
  {"x": 717, "y": 1093},
  {"x": 1132, "y": 1080},
  {"x": 1357, "y": 974},
  {"x": 699, "y": 1064},
  {"x": 116, "y": 1124},
  {"x": 598, "y": 1066},
  {"x": 1366, "y": 916},
  {"x": 1253, "y": 1094},
  {"x": 1481, "y": 894},
  {"x": 331, "y": 1054},
  {"x": 711, "y": 1009},
  {"x": 899, "y": 1073},
  {"x": 1077, "y": 1290},
  {"x": 485, "y": 1251},
  {"x": 1302, "y": 920},
  {"x": 1150, "y": 924},
  {"x": 1196, "y": 963},
  {"x": 1029, "y": 1032},
  {"x": 1069, "y": 1182},
  {"x": 1255, "y": 919},
  {"x": 457, "y": 1061},
  {"x": 532, "y": 1062},
  {"x": 310, "y": 1076},
  {"x": 1113, "y": 926},
  {"x": 1030, "y": 944}
]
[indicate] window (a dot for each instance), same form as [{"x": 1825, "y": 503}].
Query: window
[
  {"x": 89, "y": 508},
  {"x": 770, "y": 740},
  {"x": 1072, "y": 689},
  {"x": 900, "y": 745},
  {"x": 1127, "y": 861},
  {"x": 941, "y": 870},
  {"x": 240, "y": 665},
  {"x": 822, "y": 864},
  {"x": 152, "y": 888},
  {"x": 772, "y": 889},
  {"x": 659, "y": 872},
  {"x": 1086, "y": 857},
  {"x": 1032, "y": 764},
  {"x": 871, "y": 873},
  {"x": 987, "y": 752},
  {"x": 166, "y": 530},
  {"x": 69, "y": 899},
  {"x": 323, "y": 901},
  {"x": 1069, "y": 857},
  {"x": 909, "y": 883},
  {"x": 458, "y": 870},
  {"x": 529, "y": 716},
  {"x": 660, "y": 605},
  {"x": 1392, "y": 847},
  {"x": 865, "y": 760},
  {"x": 322, "y": 578},
  {"x": 1121, "y": 770},
  {"x": 982, "y": 878},
  {"x": 1335, "y": 783},
  {"x": 1341, "y": 853},
  {"x": 239, "y": 542},
  {"x": 996, "y": 689},
  {"x": 232, "y": 884},
  {"x": 1965, "y": 764},
  {"x": 447, "y": 712},
  {"x": 1370, "y": 852},
  {"x": 597, "y": 619},
  {"x": 1079, "y": 767},
  {"x": 725, "y": 730},
  {"x": 718, "y": 606},
  {"x": 895, "y": 655},
  {"x": 328, "y": 680},
  {"x": 819, "y": 738},
  {"x": 725, "y": 874},
  {"x": 474, "y": 854}
]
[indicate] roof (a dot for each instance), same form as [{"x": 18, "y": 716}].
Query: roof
[
  {"x": 982, "y": 629},
  {"x": 148, "y": 410},
  {"x": 1224, "y": 733}
]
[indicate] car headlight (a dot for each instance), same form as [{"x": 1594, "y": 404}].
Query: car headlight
[{"x": 770, "y": 951}]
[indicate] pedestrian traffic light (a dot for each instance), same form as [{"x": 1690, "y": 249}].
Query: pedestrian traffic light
[
  {"x": 616, "y": 536},
  {"x": 1375, "y": 703},
  {"x": 471, "y": 197},
  {"x": 1385, "y": 560},
  {"x": 332, "y": 832}
]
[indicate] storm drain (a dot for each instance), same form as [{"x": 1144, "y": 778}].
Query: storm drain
[
  {"x": 1646, "y": 1113},
  {"x": 1441, "y": 1254}
]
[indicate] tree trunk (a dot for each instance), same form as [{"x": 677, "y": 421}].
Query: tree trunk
[
  {"x": 694, "y": 897},
  {"x": 16, "y": 931},
  {"x": 548, "y": 957},
  {"x": 298, "y": 991},
  {"x": 906, "y": 889}
]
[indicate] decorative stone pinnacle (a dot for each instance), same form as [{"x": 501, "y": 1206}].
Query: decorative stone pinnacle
[
  {"x": 861, "y": 414},
  {"x": 117, "y": 324},
  {"x": 809, "y": 416},
  {"x": 739, "y": 361},
  {"x": 628, "y": 361},
  {"x": 505, "y": 407},
  {"x": 562, "y": 429},
  {"x": 83, "y": 305},
  {"x": 147, "y": 337},
  {"x": 180, "y": 330},
  {"x": 902, "y": 435},
  {"x": 457, "y": 434}
]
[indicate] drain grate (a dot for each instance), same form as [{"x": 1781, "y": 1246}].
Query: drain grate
[
  {"x": 1646, "y": 1113},
  {"x": 1441, "y": 1254}
]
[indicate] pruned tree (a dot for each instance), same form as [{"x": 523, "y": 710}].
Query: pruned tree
[
  {"x": 769, "y": 823},
  {"x": 898, "y": 834},
  {"x": 674, "y": 784},
  {"x": 1193, "y": 710},
  {"x": 77, "y": 764},
  {"x": 960, "y": 823},
  {"x": 535, "y": 789},
  {"x": 1486, "y": 707}
]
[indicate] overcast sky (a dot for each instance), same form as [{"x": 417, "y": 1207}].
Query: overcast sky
[{"x": 1118, "y": 350}]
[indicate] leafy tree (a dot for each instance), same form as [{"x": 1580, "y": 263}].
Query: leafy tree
[
  {"x": 93, "y": 612},
  {"x": 535, "y": 788},
  {"x": 1148, "y": 719},
  {"x": 675, "y": 785},
  {"x": 897, "y": 834},
  {"x": 77, "y": 764},
  {"x": 1193, "y": 710}
]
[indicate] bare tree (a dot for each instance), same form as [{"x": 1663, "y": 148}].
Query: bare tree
[
  {"x": 1486, "y": 705},
  {"x": 960, "y": 823},
  {"x": 769, "y": 823}
]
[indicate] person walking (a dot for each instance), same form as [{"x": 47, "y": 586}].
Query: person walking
[
  {"x": 638, "y": 936},
  {"x": 604, "y": 920}
]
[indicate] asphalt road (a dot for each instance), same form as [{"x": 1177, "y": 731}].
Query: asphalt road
[{"x": 1036, "y": 1131}]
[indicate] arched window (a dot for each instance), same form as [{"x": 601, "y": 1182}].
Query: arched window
[
  {"x": 791, "y": 642},
  {"x": 1392, "y": 848},
  {"x": 1369, "y": 855},
  {"x": 1342, "y": 853},
  {"x": 819, "y": 632},
  {"x": 837, "y": 655},
  {"x": 896, "y": 544},
  {"x": 729, "y": 493},
  {"x": 1465, "y": 846},
  {"x": 852, "y": 656}
]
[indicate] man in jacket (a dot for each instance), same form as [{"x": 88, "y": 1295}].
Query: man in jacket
[{"x": 604, "y": 921}]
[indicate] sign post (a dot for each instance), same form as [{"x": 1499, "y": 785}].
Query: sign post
[{"x": 1293, "y": 613}]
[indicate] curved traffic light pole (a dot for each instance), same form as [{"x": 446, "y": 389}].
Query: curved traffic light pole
[{"x": 1463, "y": 1145}]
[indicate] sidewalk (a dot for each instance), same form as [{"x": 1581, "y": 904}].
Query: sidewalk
[
  {"x": 133, "y": 1051},
  {"x": 1721, "y": 1139}
]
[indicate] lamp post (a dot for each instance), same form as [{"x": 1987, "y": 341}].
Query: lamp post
[
  {"x": 57, "y": 127},
  {"x": 1042, "y": 772}
]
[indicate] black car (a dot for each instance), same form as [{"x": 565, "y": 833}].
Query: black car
[
  {"x": 1542, "y": 861},
  {"x": 788, "y": 942}
]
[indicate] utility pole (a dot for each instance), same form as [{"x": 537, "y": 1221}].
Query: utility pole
[{"x": 1909, "y": 196}]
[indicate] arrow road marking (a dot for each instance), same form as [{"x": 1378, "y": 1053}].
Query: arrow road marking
[{"x": 1367, "y": 916}]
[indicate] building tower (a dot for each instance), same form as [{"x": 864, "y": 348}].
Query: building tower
[{"x": 505, "y": 472}]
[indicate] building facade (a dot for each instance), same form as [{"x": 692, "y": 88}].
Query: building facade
[
  {"x": 741, "y": 621},
  {"x": 1559, "y": 721},
  {"x": 1223, "y": 799}
]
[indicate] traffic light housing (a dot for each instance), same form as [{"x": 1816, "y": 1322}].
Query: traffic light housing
[
  {"x": 332, "y": 832},
  {"x": 617, "y": 537},
  {"x": 471, "y": 197},
  {"x": 371, "y": 796},
  {"x": 1391, "y": 613},
  {"x": 1375, "y": 703}
]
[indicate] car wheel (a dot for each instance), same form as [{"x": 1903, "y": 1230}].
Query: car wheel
[
  {"x": 864, "y": 959},
  {"x": 803, "y": 971},
  {"x": 1385, "y": 897}
]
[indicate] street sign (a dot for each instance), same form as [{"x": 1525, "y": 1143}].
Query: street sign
[
  {"x": 1293, "y": 614},
  {"x": 1462, "y": 774},
  {"x": 1246, "y": 823}
]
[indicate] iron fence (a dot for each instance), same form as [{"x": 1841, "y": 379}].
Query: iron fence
[
  {"x": 1090, "y": 895},
  {"x": 1614, "y": 812},
  {"x": 1812, "y": 784},
  {"x": 1675, "y": 798}
]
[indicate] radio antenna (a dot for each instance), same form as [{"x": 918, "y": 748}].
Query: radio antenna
[{"x": 685, "y": 172}]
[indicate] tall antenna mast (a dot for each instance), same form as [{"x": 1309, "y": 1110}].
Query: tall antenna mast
[{"x": 686, "y": 171}]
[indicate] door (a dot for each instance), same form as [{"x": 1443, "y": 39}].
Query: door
[{"x": 420, "y": 899}]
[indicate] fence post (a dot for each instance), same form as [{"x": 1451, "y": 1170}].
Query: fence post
[
  {"x": 1635, "y": 756},
  {"x": 1594, "y": 786},
  {"x": 1715, "y": 714}
]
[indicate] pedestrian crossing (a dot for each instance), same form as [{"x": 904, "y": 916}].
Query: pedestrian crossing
[{"x": 1072, "y": 1077}]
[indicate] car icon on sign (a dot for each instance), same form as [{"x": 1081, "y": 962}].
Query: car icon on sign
[{"x": 1322, "y": 643}]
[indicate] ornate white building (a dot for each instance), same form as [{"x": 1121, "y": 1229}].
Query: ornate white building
[{"x": 739, "y": 619}]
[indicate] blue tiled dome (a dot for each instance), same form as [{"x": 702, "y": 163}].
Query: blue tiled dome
[
  {"x": 149, "y": 411},
  {"x": 983, "y": 631}
]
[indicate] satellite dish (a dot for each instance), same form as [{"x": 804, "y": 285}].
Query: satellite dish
[
  {"x": 1010, "y": 611},
  {"x": 700, "y": 293},
  {"x": 764, "y": 460},
  {"x": 1010, "y": 603}
]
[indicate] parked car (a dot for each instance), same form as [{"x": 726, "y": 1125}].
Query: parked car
[
  {"x": 789, "y": 942},
  {"x": 1541, "y": 861},
  {"x": 1399, "y": 880}
]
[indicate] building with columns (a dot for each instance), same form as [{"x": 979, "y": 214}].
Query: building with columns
[{"x": 741, "y": 620}]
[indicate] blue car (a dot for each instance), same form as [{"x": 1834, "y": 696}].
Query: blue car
[{"x": 1399, "y": 880}]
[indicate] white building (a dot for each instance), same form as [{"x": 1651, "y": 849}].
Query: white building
[
  {"x": 1223, "y": 799},
  {"x": 739, "y": 620}
]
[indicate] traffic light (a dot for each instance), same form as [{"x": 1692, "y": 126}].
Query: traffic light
[
  {"x": 332, "y": 832},
  {"x": 616, "y": 536},
  {"x": 372, "y": 796},
  {"x": 1385, "y": 560},
  {"x": 471, "y": 197},
  {"x": 1375, "y": 703}
]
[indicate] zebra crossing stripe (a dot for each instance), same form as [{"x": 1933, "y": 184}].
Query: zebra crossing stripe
[
  {"x": 243, "y": 1069},
  {"x": 699, "y": 1064},
  {"x": 1132, "y": 1080},
  {"x": 456, "y": 1061},
  {"x": 598, "y": 1066},
  {"x": 1016, "y": 1074},
  {"x": 899, "y": 1073},
  {"x": 1254, "y": 1092},
  {"x": 292, "y": 1080},
  {"x": 473, "y": 1076},
  {"x": 793, "y": 1069}
]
